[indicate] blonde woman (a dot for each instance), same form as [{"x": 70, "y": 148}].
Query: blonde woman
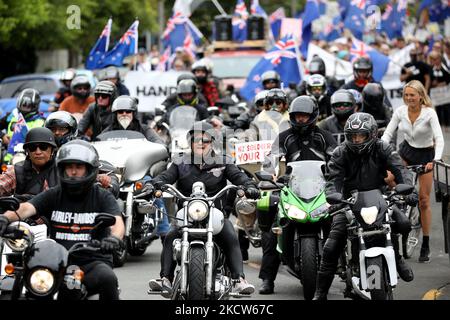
[{"x": 418, "y": 125}]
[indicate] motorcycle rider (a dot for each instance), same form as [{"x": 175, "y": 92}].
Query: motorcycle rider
[
  {"x": 98, "y": 116},
  {"x": 171, "y": 100},
  {"x": 66, "y": 79},
  {"x": 207, "y": 86},
  {"x": 317, "y": 66},
  {"x": 64, "y": 127},
  {"x": 303, "y": 141},
  {"x": 316, "y": 87},
  {"x": 203, "y": 164},
  {"x": 81, "y": 200},
  {"x": 28, "y": 105},
  {"x": 275, "y": 100},
  {"x": 361, "y": 163},
  {"x": 373, "y": 103},
  {"x": 37, "y": 172},
  {"x": 112, "y": 74},
  {"x": 342, "y": 106},
  {"x": 81, "y": 97},
  {"x": 187, "y": 95},
  {"x": 124, "y": 110},
  {"x": 270, "y": 79}
]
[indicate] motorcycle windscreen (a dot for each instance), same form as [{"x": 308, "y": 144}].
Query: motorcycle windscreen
[
  {"x": 306, "y": 179},
  {"x": 367, "y": 199},
  {"x": 181, "y": 120},
  {"x": 48, "y": 253}
]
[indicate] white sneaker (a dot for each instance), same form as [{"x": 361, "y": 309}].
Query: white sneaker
[
  {"x": 243, "y": 287},
  {"x": 161, "y": 285}
]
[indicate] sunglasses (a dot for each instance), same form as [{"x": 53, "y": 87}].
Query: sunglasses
[
  {"x": 202, "y": 140},
  {"x": 82, "y": 88},
  {"x": 41, "y": 146},
  {"x": 276, "y": 101},
  {"x": 124, "y": 111},
  {"x": 102, "y": 95}
]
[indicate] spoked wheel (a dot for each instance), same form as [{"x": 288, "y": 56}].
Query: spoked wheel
[{"x": 412, "y": 240}]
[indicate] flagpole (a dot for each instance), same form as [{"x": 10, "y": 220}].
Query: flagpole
[
  {"x": 219, "y": 7},
  {"x": 298, "y": 57},
  {"x": 136, "y": 44}
]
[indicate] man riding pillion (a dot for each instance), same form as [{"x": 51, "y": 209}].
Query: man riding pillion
[
  {"x": 71, "y": 208},
  {"x": 64, "y": 127},
  {"x": 28, "y": 105},
  {"x": 361, "y": 164},
  {"x": 342, "y": 106},
  {"x": 303, "y": 141},
  {"x": 81, "y": 97},
  {"x": 213, "y": 169},
  {"x": 98, "y": 116},
  {"x": 316, "y": 87},
  {"x": 37, "y": 172}
]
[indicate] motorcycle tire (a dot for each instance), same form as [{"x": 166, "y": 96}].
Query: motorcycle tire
[
  {"x": 196, "y": 274},
  {"x": 120, "y": 256},
  {"x": 133, "y": 250},
  {"x": 309, "y": 265},
  {"x": 383, "y": 292}
]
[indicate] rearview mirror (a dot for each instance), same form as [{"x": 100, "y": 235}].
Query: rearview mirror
[
  {"x": 105, "y": 220},
  {"x": 264, "y": 176},
  {"x": 9, "y": 203},
  {"x": 403, "y": 188}
]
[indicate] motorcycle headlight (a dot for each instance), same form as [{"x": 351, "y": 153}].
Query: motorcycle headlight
[
  {"x": 369, "y": 214},
  {"x": 320, "y": 210},
  {"x": 197, "y": 210},
  {"x": 41, "y": 281},
  {"x": 20, "y": 245},
  {"x": 295, "y": 212},
  {"x": 245, "y": 207}
]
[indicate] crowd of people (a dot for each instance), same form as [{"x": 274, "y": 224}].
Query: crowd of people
[{"x": 351, "y": 126}]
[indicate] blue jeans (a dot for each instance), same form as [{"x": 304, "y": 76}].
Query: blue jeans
[{"x": 163, "y": 226}]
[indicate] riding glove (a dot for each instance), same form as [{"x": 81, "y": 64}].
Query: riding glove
[
  {"x": 4, "y": 222},
  {"x": 252, "y": 193},
  {"x": 109, "y": 244},
  {"x": 412, "y": 199}
]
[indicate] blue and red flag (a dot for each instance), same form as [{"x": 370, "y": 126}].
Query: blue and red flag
[
  {"x": 380, "y": 61},
  {"x": 100, "y": 48},
  {"x": 239, "y": 22}
]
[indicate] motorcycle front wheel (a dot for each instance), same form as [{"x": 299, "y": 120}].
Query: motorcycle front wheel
[
  {"x": 309, "y": 266},
  {"x": 196, "y": 274},
  {"x": 379, "y": 288}
]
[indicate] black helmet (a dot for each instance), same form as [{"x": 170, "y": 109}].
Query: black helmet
[
  {"x": 362, "y": 64},
  {"x": 62, "y": 119},
  {"x": 316, "y": 86},
  {"x": 363, "y": 124},
  {"x": 39, "y": 135},
  {"x": 270, "y": 76},
  {"x": 185, "y": 76},
  {"x": 80, "y": 81},
  {"x": 125, "y": 103},
  {"x": 203, "y": 127},
  {"x": 106, "y": 87},
  {"x": 77, "y": 151},
  {"x": 28, "y": 101},
  {"x": 274, "y": 95},
  {"x": 187, "y": 86},
  {"x": 306, "y": 105},
  {"x": 372, "y": 98},
  {"x": 342, "y": 104},
  {"x": 317, "y": 66}
]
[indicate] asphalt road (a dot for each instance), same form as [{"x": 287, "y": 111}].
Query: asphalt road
[{"x": 429, "y": 277}]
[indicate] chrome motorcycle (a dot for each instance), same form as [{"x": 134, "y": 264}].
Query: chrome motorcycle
[{"x": 136, "y": 159}]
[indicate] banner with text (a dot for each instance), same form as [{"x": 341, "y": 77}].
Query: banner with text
[
  {"x": 151, "y": 88},
  {"x": 251, "y": 152}
]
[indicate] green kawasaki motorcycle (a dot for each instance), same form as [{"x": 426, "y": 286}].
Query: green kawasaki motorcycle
[{"x": 302, "y": 223}]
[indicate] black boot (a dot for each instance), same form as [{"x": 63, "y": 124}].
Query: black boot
[
  {"x": 404, "y": 270},
  {"x": 266, "y": 287},
  {"x": 324, "y": 281}
]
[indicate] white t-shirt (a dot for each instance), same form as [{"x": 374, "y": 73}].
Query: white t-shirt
[{"x": 424, "y": 133}]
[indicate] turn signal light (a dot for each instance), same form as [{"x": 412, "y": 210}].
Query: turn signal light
[
  {"x": 9, "y": 268},
  {"x": 4, "y": 167},
  {"x": 78, "y": 274},
  {"x": 138, "y": 185}
]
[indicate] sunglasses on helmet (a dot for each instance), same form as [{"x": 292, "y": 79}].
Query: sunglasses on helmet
[{"x": 276, "y": 101}]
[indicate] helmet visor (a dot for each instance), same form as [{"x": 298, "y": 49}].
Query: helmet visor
[{"x": 357, "y": 138}]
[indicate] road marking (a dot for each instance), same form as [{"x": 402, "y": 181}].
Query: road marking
[{"x": 432, "y": 294}]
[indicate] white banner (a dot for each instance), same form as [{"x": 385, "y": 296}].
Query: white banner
[
  {"x": 151, "y": 88},
  {"x": 335, "y": 67},
  {"x": 251, "y": 152},
  {"x": 440, "y": 95}
]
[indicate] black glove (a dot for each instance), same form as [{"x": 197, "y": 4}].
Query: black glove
[
  {"x": 334, "y": 198},
  {"x": 283, "y": 179},
  {"x": 252, "y": 193},
  {"x": 412, "y": 199},
  {"x": 4, "y": 222},
  {"x": 157, "y": 184},
  {"x": 110, "y": 244}
]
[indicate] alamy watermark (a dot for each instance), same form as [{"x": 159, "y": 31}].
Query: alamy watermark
[{"x": 74, "y": 19}]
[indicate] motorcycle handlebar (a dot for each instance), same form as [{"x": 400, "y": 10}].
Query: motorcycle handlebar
[{"x": 179, "y": 195}]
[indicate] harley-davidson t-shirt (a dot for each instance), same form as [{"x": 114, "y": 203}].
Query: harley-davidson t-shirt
[{"x": 72, "y": 219}]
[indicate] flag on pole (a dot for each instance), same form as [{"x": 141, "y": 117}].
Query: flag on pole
[
  {"x": 275, "y": 20},
  {"x": 100, "y": 48},
  {"x": 239, "y": 22},
  {"x": 380, "y": 61}
]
